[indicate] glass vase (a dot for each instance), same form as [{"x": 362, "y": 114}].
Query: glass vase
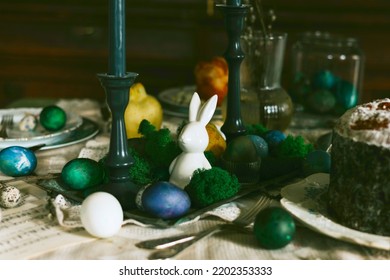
[
  {"x": 263, "y": 100},
  {"x": 327, "y": 73}
]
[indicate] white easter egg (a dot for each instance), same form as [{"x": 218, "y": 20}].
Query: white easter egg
[{"x": 101, "y": 214}]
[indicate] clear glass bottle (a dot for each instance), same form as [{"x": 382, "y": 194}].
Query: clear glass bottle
[
  {"x": 263, "y": 100},
  {"x": 327, "y": 73}
]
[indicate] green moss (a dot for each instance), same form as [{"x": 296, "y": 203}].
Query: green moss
[
  {"x": 293, "y": 147},
  {"x": 160, "y": 146},
  {"x": 210, "y": 186},
  {"x": 140, "y": 171},
  {"x": 255, "y": 129}
]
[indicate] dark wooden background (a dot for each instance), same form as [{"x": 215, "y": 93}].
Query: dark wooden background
[{"x": 54, "y": 49}]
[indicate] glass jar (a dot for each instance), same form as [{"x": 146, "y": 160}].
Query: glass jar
[
  {"x": 263, "y": 100},
  {"x": 327, "y": 72}
]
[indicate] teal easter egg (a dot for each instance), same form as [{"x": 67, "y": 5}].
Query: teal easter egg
[
  {"x": 324, "y": 79},
  {"x": 82, "y": 173},
  {"x": 274, "y": 228},
  {"x": 260, "y": 144},
  {"x": 321, "y": 101},
  {"x": 317, "y": 161},
  {"x": 17, "y": 161},
  {"x": 274, "y": 138},
  {"x": 52, "y": 118},
  {"x": 346, "y": 94}
]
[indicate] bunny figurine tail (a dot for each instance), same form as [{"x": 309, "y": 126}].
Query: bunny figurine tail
[{"x": 193, "y": 141}]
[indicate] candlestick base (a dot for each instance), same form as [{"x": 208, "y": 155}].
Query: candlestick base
[{"x": 118, "y": 160}]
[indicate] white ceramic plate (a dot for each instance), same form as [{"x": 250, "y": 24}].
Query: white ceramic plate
[
  {"x": 39, "y": 135},
  {"x": 307, "y": 201},
  {"x": 175, "y": 101},
  {"x": 86, "y": 131}
]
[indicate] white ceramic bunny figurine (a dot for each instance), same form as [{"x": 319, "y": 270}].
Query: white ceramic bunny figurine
[{"x": 193, "y": 140}]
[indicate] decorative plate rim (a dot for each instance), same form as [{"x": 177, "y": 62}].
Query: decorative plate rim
[
  {"x": 306, "y": 201},
  {"x": 50, "y": 137},
  {"x": 178, "y": 109}
]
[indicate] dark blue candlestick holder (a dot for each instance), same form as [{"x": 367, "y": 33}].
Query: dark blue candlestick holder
[
  {"x": 234, "y": 13},
  {"x": 118, "y": 160}
]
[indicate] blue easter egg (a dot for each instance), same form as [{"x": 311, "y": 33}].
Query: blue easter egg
[
  {"x": 260, "y": 144},
  {"x": 274, "y": 138},
  {"x": 17, "y": 161},
  {"x": 165, "y": 200},
  {"x": 324, "y": 79},
  {"x": 346, "y": 94},
  {"x": 317, "y": 161}
]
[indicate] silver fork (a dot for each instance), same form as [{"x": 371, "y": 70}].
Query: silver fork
[
  {"x": 6, "y": 121},
  {"x": 171, "y": 246}
]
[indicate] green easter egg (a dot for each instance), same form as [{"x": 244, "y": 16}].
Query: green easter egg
[
  {"x": 324, "y": 79},
  {"x": 52, "y": 118},
  {"x": 274, "y": 228},
  {"x": 82, "y": 173},
  {"x": 241, "y": 149},
  {"x": 346, "y": 94}
]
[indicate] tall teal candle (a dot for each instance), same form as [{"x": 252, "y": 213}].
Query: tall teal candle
[{"x": 117, "y": 38}]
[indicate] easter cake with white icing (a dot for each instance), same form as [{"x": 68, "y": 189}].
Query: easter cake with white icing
[{"x": 359, "y": 189}]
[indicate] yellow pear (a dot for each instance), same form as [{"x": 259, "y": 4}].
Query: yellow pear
[
  {"x": 217, "y": 142},
  {"x": 141, "y": 106}
]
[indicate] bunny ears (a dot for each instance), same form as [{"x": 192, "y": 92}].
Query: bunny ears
[{"x": 202, "y": 114}]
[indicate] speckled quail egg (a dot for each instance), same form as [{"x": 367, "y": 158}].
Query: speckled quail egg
[
  {"x": 28, "y": 123},
  {"x": 10, "y": 197}
]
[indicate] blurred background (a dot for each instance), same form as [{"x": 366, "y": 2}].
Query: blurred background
[{"x": 54, "y": 49}]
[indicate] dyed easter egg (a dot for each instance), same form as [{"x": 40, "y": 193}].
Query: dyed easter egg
[
  {"x": 242, "y": 158},
  {"x": 241, "y": 149},
  {"x": 317, "y": 161},
  {"x": 101, "y": 214},
  {"x": 17, "y": 161},
  {"x": 321, "y": 101},
  {"x": 260, "y": 144},
  {"x": 28, "y": 123},
  {"x": 52, "y": 118},
  {"x": 82, "y": 173},
  {"x": 324, "y": 79},
  {"x": 274, "y": 228},
  {"x": 346, "y": 94},
  {"x": 274, "y": 138},
  {"x": 10, "y": 197},
  {"x": 165, "y": 200}
]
